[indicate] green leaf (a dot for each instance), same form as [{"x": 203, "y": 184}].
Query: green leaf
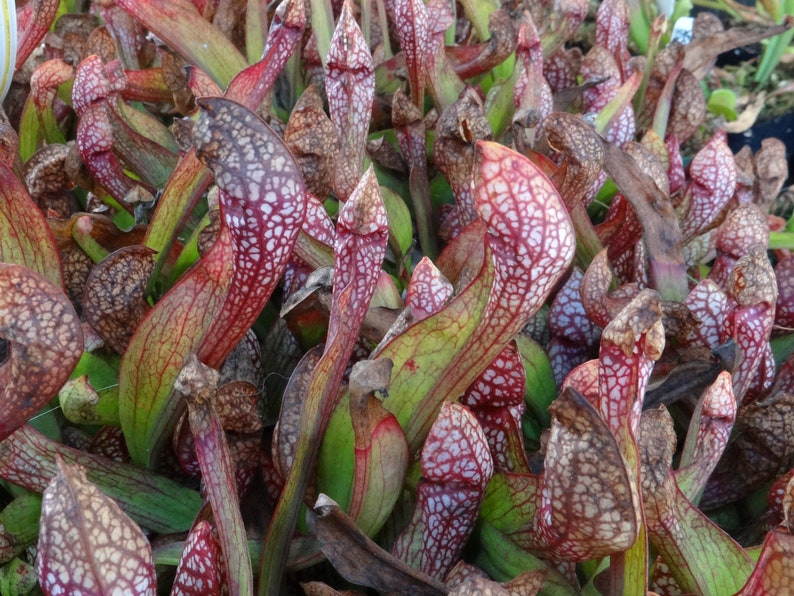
[
  {"x": 380, "y": 447},
  {"x": 181, "y": 27},
  {"x": 722, "y": 102},
  {"x": 27, "y": 459},
  {"x": 511, "y": 501},
  {"x": 702, "y": 557},
  {"x": 189, "y": 180},
  {"x": 157, "y": 352},
  {"x": 17, "y": 578},
  {"x": 503, "y": 560},
  {"x": 427, "y": 351},
  {"x": 30, "y": 131},
  {"x": 8, "y": 56},
  {"x": 774, "y": 50},
  {"x": 146, "y": 145},
  {"x": 400, "y": 227},
  {"x": 81, "y": 403},
  {"x": 541, "y": 388},
  {"x": 20, "y": 518},
  {"x": 25, "y": 237}
]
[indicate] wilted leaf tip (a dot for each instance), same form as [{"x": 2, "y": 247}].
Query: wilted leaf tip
[
  {"x": 642, "y": 317},
  {"x": 369, "y": 213}
]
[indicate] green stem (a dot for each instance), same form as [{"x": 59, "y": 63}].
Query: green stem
[
  {"x": 628, "y": 569},
  {"x": 320, "y": 400},
  {"x": 420, "y": 197},
  {"x": 669, "y": 279},
  {"x": 323, "y": 26},
  {"x": 255, "y": 30},
  {"x": 500, "y": 111},
  {"x": 588, "y": 245},
  {"x": 775, "y": 49},
  {"x": 384, "y": 26},
  {"x": 478, "y": 12},
  {"x": 181, "y": 195},
  {"x": 639, "y": 29},
  {"x": 81, "y": 232},
  {"x": 654, "y": 38},
  {"x": 608, "y": 115}
]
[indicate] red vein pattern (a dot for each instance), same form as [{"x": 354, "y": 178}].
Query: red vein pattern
[
  {"x": 262, "y": 200},
  {"x": 496, "y": 398},
  {"x": 198, "y": 573},
  {"x": 350, "y": 86},
  {"x": 45, "y": 342},
  {"x": 713, "y": 182},
  {"x": 86, "y": 543},
  {"x": 428, "y": 290},
  {"x": 456, "y": 468},
  {"x": 411, "y": 21}
]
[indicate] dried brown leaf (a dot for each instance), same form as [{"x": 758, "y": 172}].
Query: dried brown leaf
[
  {"x": 74, "y": 30},
  {"x": 689, "y": 378},
  {"x": 527, "y": 583},
  {"x": 9, "y": 140},
  {"x": 458, "y": 129},
  {"x": 753, "y": 279},
  {"x": 788, "y": 505},
  {"x": 771, "y": 169},
  {"x": 601, "y": 303},
  {"x": 701, "y": 52},
  {"x": 588, "y": 507},
  {"x": 664, "y": 66},
  {"x": 480, "y": 586},
  {"x": 245, "y": 362},
  {"x": 311, "y": 137},
  {"x": 321, "y": 589},
  {"x": 659, "y": 221},
  {"x": 595, "y": 287},
  {"x": 101, "y": 43},
  {"x": 48, "y": 181},
  {"x": 475, "y": 59},
  {"x": 360, "y": 561},
  {"x": 581, "y": 151}
]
